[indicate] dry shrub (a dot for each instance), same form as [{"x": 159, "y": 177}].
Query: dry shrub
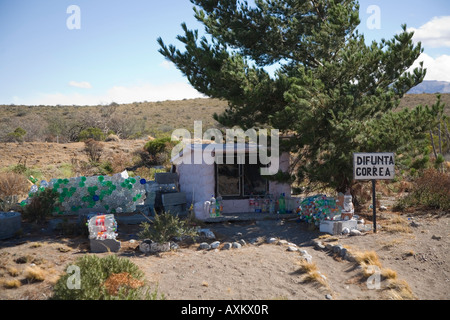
[
  {"x": 120, "y": 161},
  {"x": 397, "y": 289},
  {"x": 312, "y": 273},
  {"x": 93, "y": 150},
  {"x": 13, "y": 272},
  {"x": 10, "y": 284},
  {"x": 400, "y": 290},
  {"x": 397, "y": 224},
  {"x": 121, "y": 280},
  {"x": 431, "y": 189},
  {"x": 389, "y": 274},
  {"x": 11, "y": 185},
  {"x": 368, "y": 258},
  {"x": 362, "y": 193},
  {"x": 34, "y": 274}
]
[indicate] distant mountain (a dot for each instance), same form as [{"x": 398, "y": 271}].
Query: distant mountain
[{"x": 431, "y": 86}]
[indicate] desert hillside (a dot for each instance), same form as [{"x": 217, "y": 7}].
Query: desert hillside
[{"x": 128, "y": 121}]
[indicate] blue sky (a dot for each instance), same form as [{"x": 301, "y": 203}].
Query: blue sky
[{"x": 113, "y": 56}]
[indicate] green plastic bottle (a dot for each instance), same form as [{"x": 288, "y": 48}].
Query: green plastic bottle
[{"x": 282, "y": 204}]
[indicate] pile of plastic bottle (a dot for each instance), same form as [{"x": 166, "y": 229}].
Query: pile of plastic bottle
[
  {"x": 318, "y": 208},
  {"x": 102, "y": 227},
  {"x": 111, "y": 194},
  {"x": 215, "y": 207},
  {"x": 261, "y": 204}
]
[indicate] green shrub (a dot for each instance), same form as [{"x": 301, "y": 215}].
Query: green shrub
[
  {"x": 157, "y": 145},
  {"x": 165, "y": 227},
  {"x": 91, "y": 133},
  {"x": 43, "y": 203},
  {"x": 108, "y": 278},
  {"x": 18, "y": 134},
  {"x": 159, "y": 149}
]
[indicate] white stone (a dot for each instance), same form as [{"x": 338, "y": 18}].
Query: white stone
[
  {"x": 236, "y": 245},
  {"x": 215, "y": 244},
  {"x": 355, "y": 232}
]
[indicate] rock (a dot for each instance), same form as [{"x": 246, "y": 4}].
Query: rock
[
  {"x": 272, "y": 240},
  {"x": 361, "y": 221},
  {"x": 329, "y": 246},
  {"x": 242, "y": 242},
  {"x": 282, "y": 242},
  {"x": 226, "y": 246},
  {"x": 383, "y": 208},
  {"x": 204, "y": 246},
  {"x": 207, "y": 233},
  {"x": 291, "y": 244},
  {"x": 292, "y": 248},
  {"x": 215, "y": 245},
  {"x": 435, "y": 237},
  {"x": 236, "y": 245},
  {"x": 174, "y": 246},
  {"x": 329, "y": 297},
  {"x": 415, "y": 224},
  {"x": 107, "y": 245},
  {"x": 303, "y": 252},
  {"x": 350, "y": 256},
  {"x": 345, "y": 231},
  {"x": 149, "y": 246},
  {"x": 319, "y": 246},
  {"x": 343, "y": 253},
  {"x": 337, "y": 248},
  {"x": 355, "y": 232},
  {"x": 307, "y": 257}
]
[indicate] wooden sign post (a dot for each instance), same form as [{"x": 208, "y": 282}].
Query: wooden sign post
[{"x": 374, "y": 166}]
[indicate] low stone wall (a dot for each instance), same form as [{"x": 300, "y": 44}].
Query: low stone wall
[{"x": 10, "y": 224}]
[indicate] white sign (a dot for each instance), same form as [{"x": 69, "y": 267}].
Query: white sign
[{"x": 373, "y": 166}]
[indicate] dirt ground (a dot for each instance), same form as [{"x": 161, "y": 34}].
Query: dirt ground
[{"x": 258, "y": 271}]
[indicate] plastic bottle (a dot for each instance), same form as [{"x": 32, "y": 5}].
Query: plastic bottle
[
  {"x": 102, "y": 227},
  {"x": 218, "y": 210},
  {"x": 220, "y": 201},
  {"x": 251, "y": 203},
  {"x": 282, "y": 204},
  {"x": 212, "y": 207},
  {"x": 257, "y": 204},
  {"x": 272, "y": 206}
]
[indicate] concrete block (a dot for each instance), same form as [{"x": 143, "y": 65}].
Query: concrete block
[
  {"x": 10, "y": 223},
  {"x": 107, "y": 245},
  {"x": 337, "y": 226}
]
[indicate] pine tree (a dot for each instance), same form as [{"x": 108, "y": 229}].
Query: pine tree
[{"x": 332, "y": 93}]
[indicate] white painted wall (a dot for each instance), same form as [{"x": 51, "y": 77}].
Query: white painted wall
[{"x": 198, "y": 181}]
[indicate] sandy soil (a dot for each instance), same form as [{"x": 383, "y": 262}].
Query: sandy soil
[{"x": 253, "y": 272}]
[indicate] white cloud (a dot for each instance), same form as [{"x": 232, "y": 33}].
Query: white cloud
[
  {"x": 434, "y": 34},
  {"x": 118, "y": 94},
  {"x": 437, "y": 68},
  {"x": 81, "y": 84}
]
